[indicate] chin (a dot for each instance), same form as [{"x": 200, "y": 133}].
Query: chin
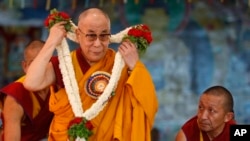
[
  {"x": 205, "y": 128},
  {"x": 94, "y": 60}
]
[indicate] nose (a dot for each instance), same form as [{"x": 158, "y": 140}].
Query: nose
[
  {"x": 203, "y": 114},
  {"x": 97, "y": 42}
]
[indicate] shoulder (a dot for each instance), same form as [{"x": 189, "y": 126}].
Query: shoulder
[
  {"x": 12, "y": 109},
  {"x": 15, "y": 88},
  {"x": 190, "y": 124},
  {"x": 17, "y": 91},
  {"x": 190, "y": 128},
  {"x": 180, "y": 136},
  {"x": 184, "y": 132},
  {"x": 12, "y": 96}
]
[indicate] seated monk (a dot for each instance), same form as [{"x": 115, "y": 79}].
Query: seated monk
[
  {"x": 26, "y": 115},
  {"x": 214, "y": 117}
]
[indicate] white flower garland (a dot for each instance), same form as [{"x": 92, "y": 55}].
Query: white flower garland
[
  {"x": 66, "y": 67},
  {"x": 71, "y": 86}
]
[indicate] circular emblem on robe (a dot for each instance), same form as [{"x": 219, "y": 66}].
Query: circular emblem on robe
[{"x": 96, "y": 84}]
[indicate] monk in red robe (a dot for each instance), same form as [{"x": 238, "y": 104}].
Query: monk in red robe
[
  {"x": 26, "y": 115},
  {"x": 214, "y": 117},
  {"x": 130, "y": 112}
]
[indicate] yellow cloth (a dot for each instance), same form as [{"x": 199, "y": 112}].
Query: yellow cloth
[
  {"x": 129, "y": 115},
  {"x": 36, "y": 106}
]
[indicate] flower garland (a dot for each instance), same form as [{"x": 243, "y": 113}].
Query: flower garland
[
  {"x": 71, "y": 86},
  {"x": 65, "y": 64}
]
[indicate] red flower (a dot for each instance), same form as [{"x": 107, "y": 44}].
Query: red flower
[
  {"x": 79, "y": 127},
  {"x": 141, "y": 36},
  {"x": 148, "y": 37},
  {"x": 49, "y": 18},
  {"x": 135, "y": 32},
  {"x": 56, "y": 17},
  {"x": 77, "y": 120},
  {"x": 89, "y": 125},
  {"x": 64, "y": 15},
  {"x": 145, "y": 27}
]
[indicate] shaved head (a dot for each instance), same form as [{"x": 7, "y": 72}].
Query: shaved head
[
  {"x": 30, "y": 52},
  {"x": 223, "y": 92},
  {"x": 33, "y": 48},
  {"x": 94, "y": 13}
]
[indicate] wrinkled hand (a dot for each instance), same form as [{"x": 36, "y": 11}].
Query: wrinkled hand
[
  {"x": 57, "y": 33},
  {"x": 129, "y": 53}
]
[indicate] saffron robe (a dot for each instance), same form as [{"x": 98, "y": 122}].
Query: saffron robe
[
  {"x": 37, "y": 117},
  {"x": 192, "y": 131},
  {"x": 129, "y": 114}
]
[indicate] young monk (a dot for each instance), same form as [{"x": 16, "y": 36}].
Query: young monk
[{"x": 26, "y": 114}]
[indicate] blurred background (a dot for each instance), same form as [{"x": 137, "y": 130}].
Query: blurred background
[{"x": 197, "y": 44}]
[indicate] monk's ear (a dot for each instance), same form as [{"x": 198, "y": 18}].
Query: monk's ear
[
  {"x": 229, "y": 116},
  {"x": 77, "y": 32},
  {"x": 24, "y": 66}
]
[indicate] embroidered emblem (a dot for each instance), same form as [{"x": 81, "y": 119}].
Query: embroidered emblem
[{"x": 96, "y": 84}]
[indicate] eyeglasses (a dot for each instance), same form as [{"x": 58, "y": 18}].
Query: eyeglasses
[{"x": 93, "y": 37}]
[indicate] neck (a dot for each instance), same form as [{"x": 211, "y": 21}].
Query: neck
[
  {"x": 43, "y": 93},
  {"x": 213, "y": 134},
  {"x": 91, "y": 63}
]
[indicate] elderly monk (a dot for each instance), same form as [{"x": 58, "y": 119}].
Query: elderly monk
[
  {"x": 213, "y": 119},
  {"x": 129, "y": 114},
  {"x": 26, "y": 114}
]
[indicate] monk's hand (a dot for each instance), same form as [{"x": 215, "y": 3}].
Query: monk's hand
[
  {"x": 129, "y": 53},
  {"x": 56, "y": 33}
]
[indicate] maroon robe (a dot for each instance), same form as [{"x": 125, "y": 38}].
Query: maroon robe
[
  {"x": 32, "y": 128},
  {"x": 81, "y": 60},
  {"x": 192, "y": 131}
]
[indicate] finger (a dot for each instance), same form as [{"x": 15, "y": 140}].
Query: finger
[{"x": 123, "y": 47}]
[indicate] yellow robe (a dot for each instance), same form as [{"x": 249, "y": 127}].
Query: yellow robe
[{"x": 129, "y": 114}]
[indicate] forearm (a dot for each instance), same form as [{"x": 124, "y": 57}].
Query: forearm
[
  {"x": 12, "y": 133},
  {"x": 12, "y": 114},
  {"x": 40, "y": 71}
]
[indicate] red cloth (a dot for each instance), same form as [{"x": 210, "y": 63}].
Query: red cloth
[
  {"x": 84, "y": 66},
  {"x": 192, "y": 131},
  {"x": 33, "y": 128}
]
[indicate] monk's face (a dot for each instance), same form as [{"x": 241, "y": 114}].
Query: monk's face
[
  {"x": 93, "y": 35},
  {"x": 212, "y": 114},
  {"x": 29, "y": 56}
]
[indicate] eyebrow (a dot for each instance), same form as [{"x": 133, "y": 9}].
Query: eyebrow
[
  {"x": 104, "y": 31},
  {"x": 215, "y": 106}
]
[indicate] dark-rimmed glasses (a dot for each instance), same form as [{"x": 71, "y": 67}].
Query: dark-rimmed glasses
[{"x": 93, "y": 37}]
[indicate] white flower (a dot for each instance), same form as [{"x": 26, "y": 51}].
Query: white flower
[
  {"x": 71, "y": 86},
  {"x": 117, "y": 38}
]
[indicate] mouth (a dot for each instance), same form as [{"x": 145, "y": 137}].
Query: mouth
[
  {"x": 203, "y": 124},
  {"x": 96, "y": 52}
]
